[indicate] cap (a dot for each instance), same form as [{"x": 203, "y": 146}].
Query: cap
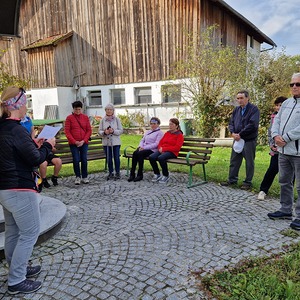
[{"x": 238, "y": 146}]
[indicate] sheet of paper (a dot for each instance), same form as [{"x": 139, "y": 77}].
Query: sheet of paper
[{"x": 49, "y": 132}]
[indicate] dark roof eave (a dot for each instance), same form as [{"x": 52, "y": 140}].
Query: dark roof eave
[{"x": 257, "y": 34}]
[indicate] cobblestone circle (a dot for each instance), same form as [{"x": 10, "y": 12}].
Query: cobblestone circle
[{"x": 140, "y": 241}]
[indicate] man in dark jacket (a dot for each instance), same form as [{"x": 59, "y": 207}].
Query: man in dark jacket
[{"x": 243, "y": 127}]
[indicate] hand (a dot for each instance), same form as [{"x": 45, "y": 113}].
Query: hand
[
  {"x": 236, "y": 136},
  {"x": 39, "y": 141},
  {"x": 273, "y": 148},
  {"x": 140, "y": 148},
  {"x": 111, "y": 130},
  {"x": 51, "y": 141},
  {"x": 279, "y": 141},
  {"x": 160, "y": 149}
]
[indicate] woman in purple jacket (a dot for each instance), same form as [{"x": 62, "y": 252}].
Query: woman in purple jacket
[{"x": 147, "y": 146}]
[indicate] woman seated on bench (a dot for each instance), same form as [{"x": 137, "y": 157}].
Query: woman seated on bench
[
  {"x": 168, "y": 147},
  {"x": 148, "y": 145}
]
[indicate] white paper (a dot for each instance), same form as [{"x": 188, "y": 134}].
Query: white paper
[{"x": 49, "y": 132}]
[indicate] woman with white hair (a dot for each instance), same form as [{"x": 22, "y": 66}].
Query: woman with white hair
[
  {"x": 19, "y": 155},
  {"x": 110, "y": 129}
]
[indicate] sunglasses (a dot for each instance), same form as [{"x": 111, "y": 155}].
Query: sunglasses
[
  {"x": 295, "y": 83},
  {"x": 22, "y": 93}
]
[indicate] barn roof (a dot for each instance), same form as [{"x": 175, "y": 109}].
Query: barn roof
[{"x": 48, "y": 41}]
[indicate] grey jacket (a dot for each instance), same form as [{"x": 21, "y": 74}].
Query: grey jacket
[
  {"x": 111, "y": 139},
  {"x": 287, "y": 124}
]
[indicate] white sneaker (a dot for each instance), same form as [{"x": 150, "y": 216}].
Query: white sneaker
[
  {"x": 77, "y": 180},
  {"x": 164, "y": 179},
  {"x": 156, "y": 177},
  {"x": 85, "y": 180},
  {"x": 261, "y": 195}
]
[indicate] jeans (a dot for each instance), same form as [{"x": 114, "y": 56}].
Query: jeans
[
  {"x": 270, "y": 174},
  {"x": 236, "y": 160},
  {"x": 289, "y": 166},
  {"x": 22, "y": 228},
  {"x": 113, "y": 153},
  {"x": 138, "y": 157},
  {"x": 80, "y": 155},
  {"x": 162, "y": 159}
]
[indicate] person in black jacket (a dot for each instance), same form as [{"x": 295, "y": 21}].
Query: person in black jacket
[
  {"x": 243, "y": 127},
  {"x": 19, "y": 155}
]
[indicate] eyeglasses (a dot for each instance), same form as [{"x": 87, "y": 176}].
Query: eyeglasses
[
  {"x": 22, "y": 93},
  {"x": 297, "y": 84}
]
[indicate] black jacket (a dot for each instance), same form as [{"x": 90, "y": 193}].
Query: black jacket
[
  {"x": 246, "y": 125},
  {"x": 18, "y": 156}
]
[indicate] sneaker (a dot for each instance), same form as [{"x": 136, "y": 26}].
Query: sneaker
[
  {"x": 118, "y": 176},
  {"x": 261, "y": 195},
  {"x": 164, "y": 179},
  {"x": 45, "y": 183},
  {"x": 295, "y": 224},
  {"x": 54, "y": 180},
  {"x": 77, "y": 180},
  {"x": 85, "y": 180},
  {"x": 227, "y": 183},
  {"x": 26, "y": 287},
  {"x": 246, "y": 187},
  {"x": 131, "y": 178},
  {"x": 279, "y": 215},
  {"x": 33, "y": 271},
  {"x": 156, "y": 177},
  {"x": 110, "y": 176}
]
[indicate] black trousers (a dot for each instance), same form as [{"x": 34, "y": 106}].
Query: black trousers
[
  {"x": 270, "y": 174},
  {"x": 138, "y": 158}
]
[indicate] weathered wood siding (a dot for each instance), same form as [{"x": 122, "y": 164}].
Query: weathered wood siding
[{"x": 114, "y": 41}]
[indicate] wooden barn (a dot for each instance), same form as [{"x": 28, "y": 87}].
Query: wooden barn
[{"x": 117, "y": 51}]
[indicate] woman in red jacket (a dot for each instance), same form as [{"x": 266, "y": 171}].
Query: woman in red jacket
[
  {"x": 78, "y": 131},
  {"x": 168, "y": 147}
]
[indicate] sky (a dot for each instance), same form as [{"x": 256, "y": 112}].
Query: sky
[{"x": 278, "y": 19}]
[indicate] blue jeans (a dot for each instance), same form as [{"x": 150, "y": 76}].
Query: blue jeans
[
  {"x": 22, "y": 228},
  {"x": 162, "y": 159},
  {"x": 113, "y": 153},
  {"x": 80, "y": 155}
]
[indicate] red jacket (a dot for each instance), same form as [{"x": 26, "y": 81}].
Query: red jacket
[
  {"x": 171, "y": 142},
  {"x": 78, "y": 128}
]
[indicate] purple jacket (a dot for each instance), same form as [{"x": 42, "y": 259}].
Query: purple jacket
[{"x": 151, "y": 139}]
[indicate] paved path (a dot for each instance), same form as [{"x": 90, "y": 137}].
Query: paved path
[{"x": 139, "y": 241}]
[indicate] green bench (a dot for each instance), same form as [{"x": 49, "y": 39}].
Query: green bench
[{"x": 194, "y": 151}]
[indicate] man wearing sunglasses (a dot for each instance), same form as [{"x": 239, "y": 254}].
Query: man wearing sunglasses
[{"x": 286, "y": 134}]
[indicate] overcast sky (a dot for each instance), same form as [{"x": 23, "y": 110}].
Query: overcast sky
[{"x": 278, "y": 19}]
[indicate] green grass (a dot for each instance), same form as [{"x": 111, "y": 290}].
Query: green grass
[{"x": 217, "y": 167}]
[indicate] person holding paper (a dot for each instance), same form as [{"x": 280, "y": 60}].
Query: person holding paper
[
  {"x": 243, "y": 124},
  {"x": 78, "y": 131},
  {"x": 18, "y": 190}
]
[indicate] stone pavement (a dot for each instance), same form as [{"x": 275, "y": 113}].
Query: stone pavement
[{"x": 139, "y": 241}]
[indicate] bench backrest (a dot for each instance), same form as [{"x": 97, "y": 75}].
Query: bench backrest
[
  {"x": 201, "y": 146},
  {"x": 95, "y": 151}
]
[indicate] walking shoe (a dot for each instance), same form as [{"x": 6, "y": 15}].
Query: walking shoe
[
  {"x": 246, "y": 187},
  {"x": 279, "y": 215},
  {"x": 85, "y": 180},
  {"x": 295, "y": 224},
  {"x": 33, "y": 271},
  {"x": 110, "y": 176},
  {"x": 156, "y": 177},
  {"x": 45, "y": 183},
  {"x": 164, "y": 179},
  {"x": 118, "y": 176},
  {"x": 138, "y": 178},
  {"x": 77, "y": 180},
  {"x": 131, "y": 178},
  {"x": 227, "y": 183},
  {"x": 26, "y": 287},
  {"x": 261, "y": 195},
  {"x": 54, "y": 180}
]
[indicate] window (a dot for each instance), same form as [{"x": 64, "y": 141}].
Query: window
[
  {"x": 171, "y": 93},
  {"x": 143, "y": 95},
  {"x": 118, "y": 96},
  {"x": 251, "y": 42},
  {"x": 94, "y": 98},
  {"x": 29, "y": 101}
]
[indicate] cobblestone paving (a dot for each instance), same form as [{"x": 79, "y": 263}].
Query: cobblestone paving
[{"x": 140, "y": 240}]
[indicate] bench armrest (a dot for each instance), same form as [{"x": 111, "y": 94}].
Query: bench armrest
[
  {"x": 126, "y": 151},
  {"x": 187, "y": 158}
]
